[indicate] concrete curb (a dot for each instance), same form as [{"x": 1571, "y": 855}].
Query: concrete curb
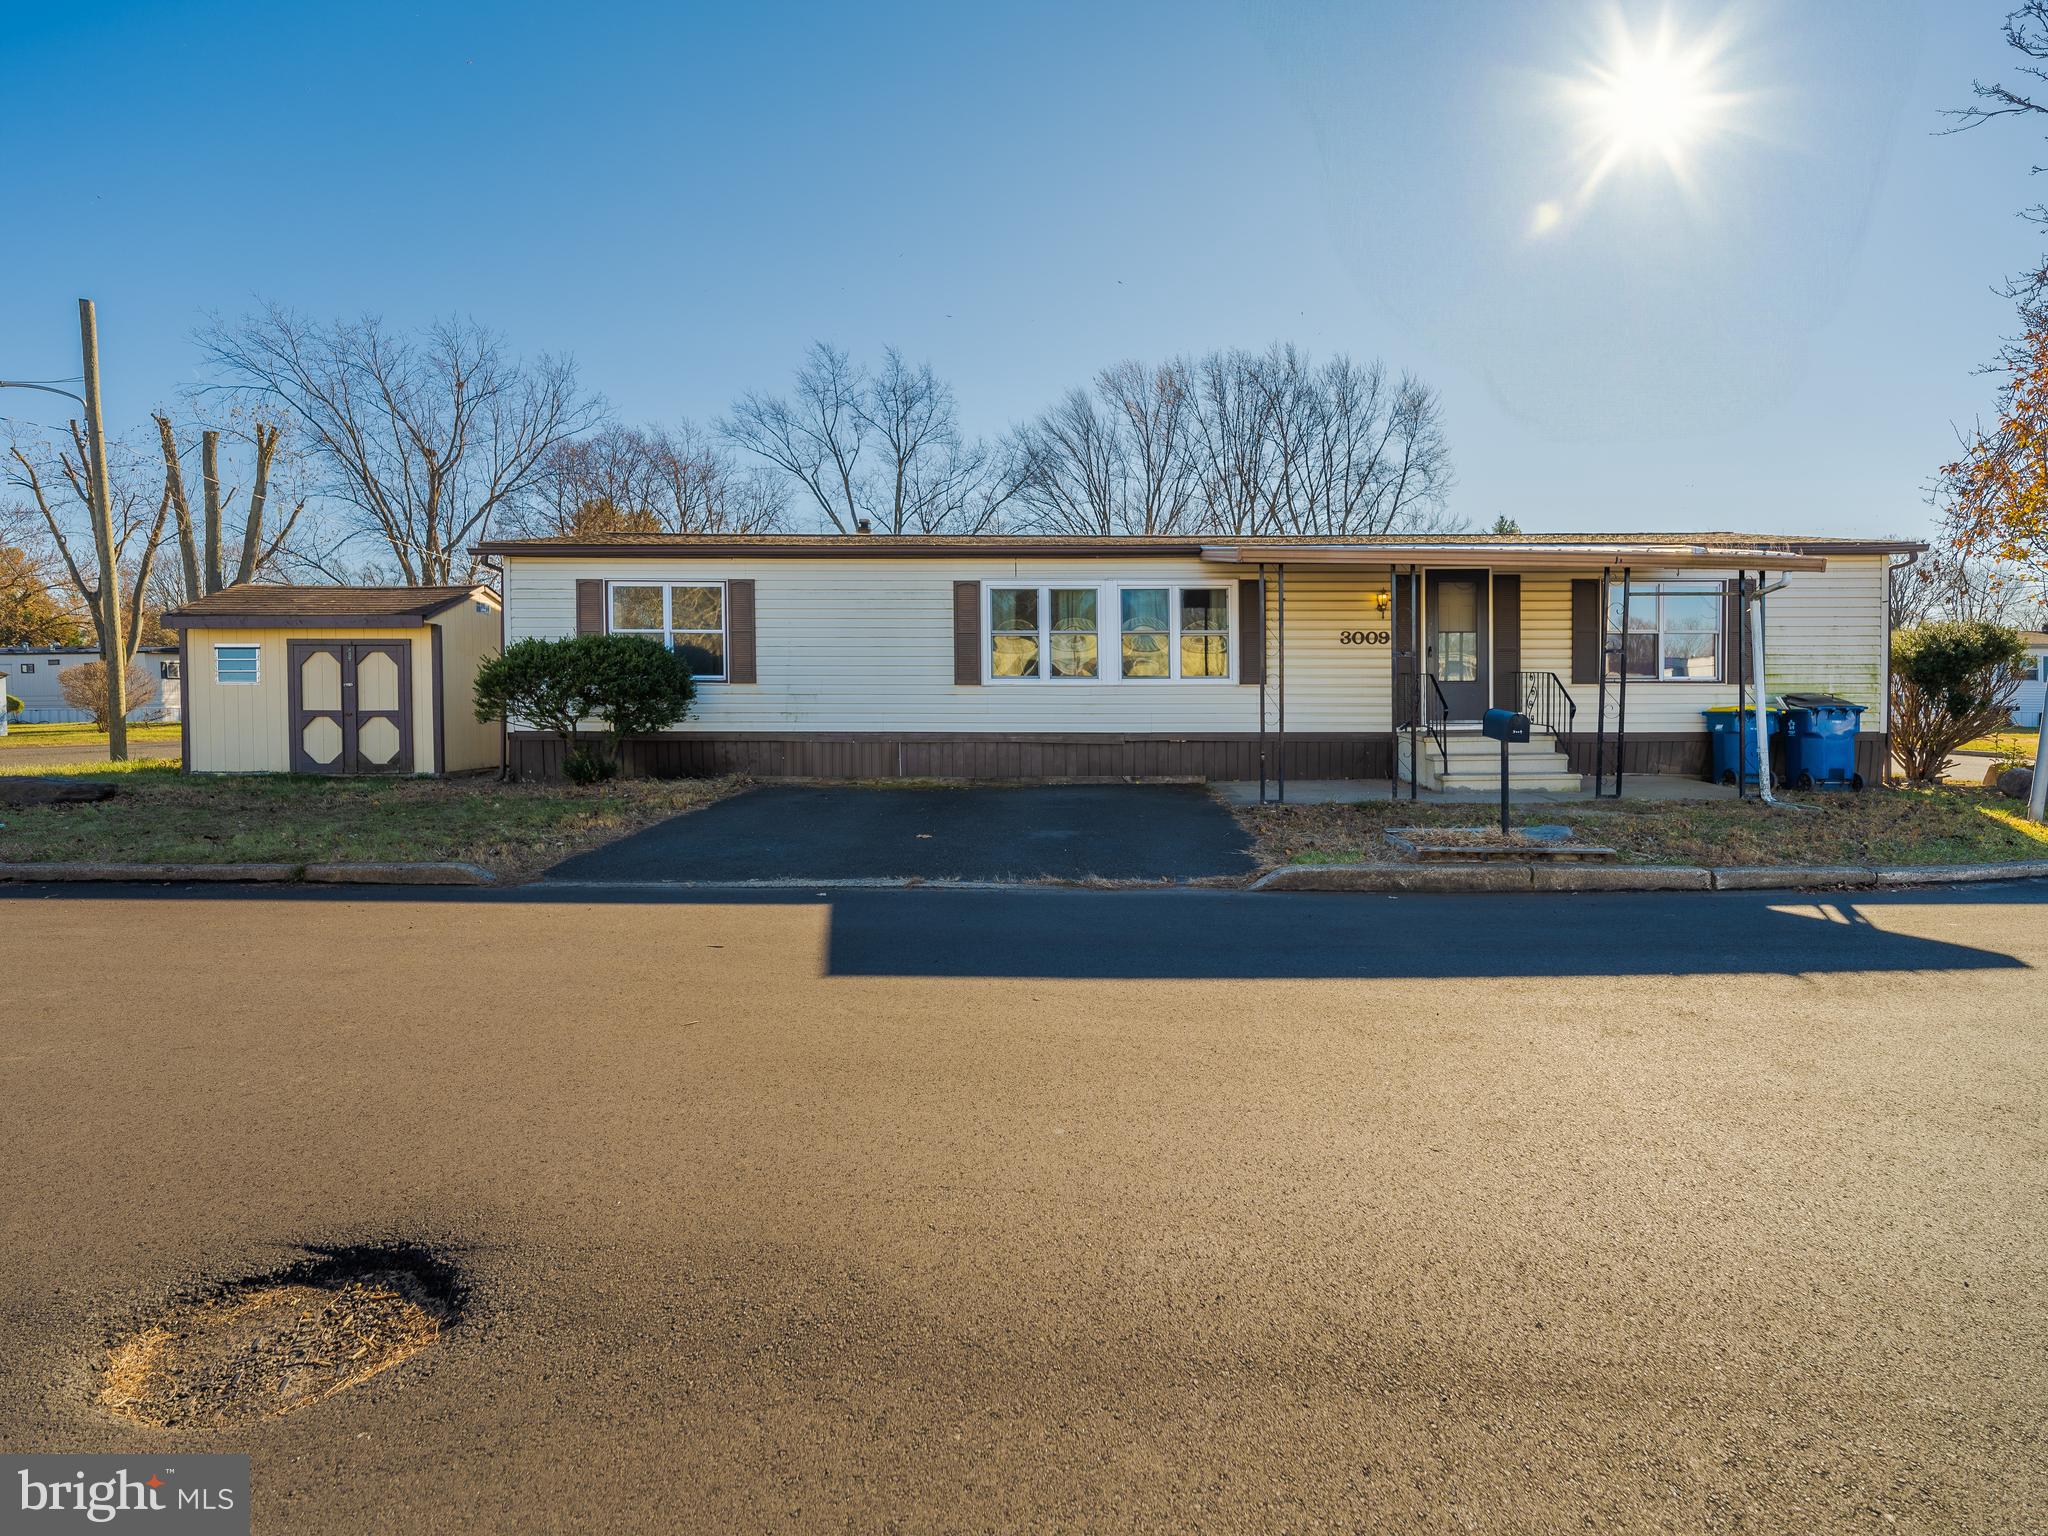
[
  {"x": 1632, "y": 877},
  {"x": 437, "y": 873}
]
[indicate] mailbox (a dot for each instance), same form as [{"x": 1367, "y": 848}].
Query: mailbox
[{"x": 1506, "y": 725}]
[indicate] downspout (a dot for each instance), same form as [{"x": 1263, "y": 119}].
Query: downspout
[
  {"x": 1884, "y": 771},
  {"x": 504, "y": 726},
  {"x": 1756, "y": 651}
]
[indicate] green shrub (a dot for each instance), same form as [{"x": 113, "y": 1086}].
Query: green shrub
[
  {"x": 631, "y": 684},
  {"x": 14, "y": 705},
  {"x": 1952, "y": 681}
]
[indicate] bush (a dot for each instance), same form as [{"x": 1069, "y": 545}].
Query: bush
[
  {"x": 84, "y": 686},
  {"x": 14, "y": 705},
  {"x": 1952, "y": 682},
  {"x": 630, "y": 683}
]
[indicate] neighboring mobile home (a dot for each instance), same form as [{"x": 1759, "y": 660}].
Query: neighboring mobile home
[
  {"x": 1047, "y": 657},
  {"x": 2033, "y": 690},
  {"x": 35, "y": 675},
  {"x": 342, "y": 680}
]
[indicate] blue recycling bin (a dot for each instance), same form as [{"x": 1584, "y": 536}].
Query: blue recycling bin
[
  {"x": 1731, "y": 730},
  {"x": 1820, "y": 741}
]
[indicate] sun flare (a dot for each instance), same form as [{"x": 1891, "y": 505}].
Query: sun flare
[{"x": 1652, "y": 100}]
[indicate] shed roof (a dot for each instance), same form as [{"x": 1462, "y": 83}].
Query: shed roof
[{"x": 254, "y": 606}]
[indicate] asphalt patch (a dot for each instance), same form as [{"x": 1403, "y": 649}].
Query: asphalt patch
[
  {"x": 1164, "y": 832},
  {"x": 271, "y": 1344}
]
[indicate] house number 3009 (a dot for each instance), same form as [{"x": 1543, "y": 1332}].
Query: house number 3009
[{"x": 1363, "y": 636}]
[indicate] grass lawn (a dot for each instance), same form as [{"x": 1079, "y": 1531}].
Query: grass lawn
[
  {"x": 1879, "y": 826},
  {"x": 2003, "y": 741},
  {"x": 80, "y": 734},
  {"x": 162, "y": 816}
]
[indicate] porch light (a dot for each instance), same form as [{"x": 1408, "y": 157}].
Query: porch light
[{"x": 1380, "y": 600}]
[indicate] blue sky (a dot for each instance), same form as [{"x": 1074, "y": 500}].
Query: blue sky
[{"x": 684, "y": 196}]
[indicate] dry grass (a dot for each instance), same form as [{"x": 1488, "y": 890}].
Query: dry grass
[
  {"x": 264, "y": 1352},
  {"x": 514, "y": 830},
  {"x": 1879, "y": 826}
]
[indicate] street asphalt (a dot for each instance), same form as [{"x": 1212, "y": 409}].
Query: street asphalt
[
  {"x": 1057, "y": 1210},
  {"x": 1068, "y": 832}
]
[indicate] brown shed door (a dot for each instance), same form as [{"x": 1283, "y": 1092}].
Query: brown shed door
[{"x": 351, "y": 704}]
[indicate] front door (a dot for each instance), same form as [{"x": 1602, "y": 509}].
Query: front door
[
  {"x": 351, "y": 706},
  {"x": 1456, "y": 649}
]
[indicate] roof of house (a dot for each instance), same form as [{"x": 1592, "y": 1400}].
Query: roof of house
[
  {"x": 256, "y": 606},
  {"x": 874, "y": 545}
]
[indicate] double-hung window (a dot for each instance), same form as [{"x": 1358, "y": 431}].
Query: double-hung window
[
  {"x": 238, "y": 664},
  {"x": 689, "y": 618},
  {"x": 1107, "y": 633},
  {"x": 1671, "y": 632},
  {"x": 1044, "y": 633}
]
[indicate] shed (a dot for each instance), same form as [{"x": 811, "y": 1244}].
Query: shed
[{"x": 336, "y": 679}]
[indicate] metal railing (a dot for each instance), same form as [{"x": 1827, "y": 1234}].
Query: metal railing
[
  {"x": 1418, "y": 725},
  {"x": 1548, "y": 704}
]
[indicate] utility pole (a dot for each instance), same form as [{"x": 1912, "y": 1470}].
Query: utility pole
[{"x": 114, "y": 651}]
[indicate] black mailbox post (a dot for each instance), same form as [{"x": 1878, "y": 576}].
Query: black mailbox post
[{"x": 1504, "y": 726}]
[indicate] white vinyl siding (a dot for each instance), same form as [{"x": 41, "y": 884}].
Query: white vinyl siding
[
  {"x": 1826, "y": 633},
  {"x": 849, "y": 644},
  {"x": 867, "y": 645}
]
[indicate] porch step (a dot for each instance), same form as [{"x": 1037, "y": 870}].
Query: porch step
[{"x": 1472, "y": 762}]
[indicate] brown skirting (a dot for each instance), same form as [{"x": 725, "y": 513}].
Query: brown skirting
[
  {"x": 1688, "y": 752},
  {"x": 977, "y": 755}
]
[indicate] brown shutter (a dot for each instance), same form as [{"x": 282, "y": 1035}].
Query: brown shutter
[
  {"x": 1251, "y": 644},
  {"x": 589, "y": 607},
  {"x": 739, "y": 632},
  {"x": 966, "y": 632},
  {"x": 1507, "y": 642},
  {"x": 1585, "y": 631},
  {"x": 1735, "y": 640},
  {"x": 1407, "y": 671}
]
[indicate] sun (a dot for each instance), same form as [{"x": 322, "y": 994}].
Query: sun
[{"x": 1651, "y": 101}]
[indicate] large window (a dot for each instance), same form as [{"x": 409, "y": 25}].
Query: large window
[
  {"x": 689, "y": 619},
  {"x": 1671, "y": 632},
  {"x": 236, "y": 664},
  {"x": 1153, "y": 633}
]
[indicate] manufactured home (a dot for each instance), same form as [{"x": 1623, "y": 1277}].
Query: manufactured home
[
  {"x": 341, "y": 680},
  {"x": 2032, "y": 693},
  {"x": 35, "y": 675},
  {"x": 998, "y": 657}
]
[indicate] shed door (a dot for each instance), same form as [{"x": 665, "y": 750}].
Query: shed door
[{"x": 351, "y": 704}]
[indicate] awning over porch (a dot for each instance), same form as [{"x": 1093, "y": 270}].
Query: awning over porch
[{"x": 1679, "y": 554}]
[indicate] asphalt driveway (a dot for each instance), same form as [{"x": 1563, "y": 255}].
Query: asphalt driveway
[{"x": 1070, "y": 832}]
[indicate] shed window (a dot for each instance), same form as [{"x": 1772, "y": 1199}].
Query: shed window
[
  {"x": 689, "y": 619},
  {"x": 1672, "y": 633},
  {"x": 167, "y": 669},
  {"x": 235, "y": 664},
  {"x": 26, "y": 668}
]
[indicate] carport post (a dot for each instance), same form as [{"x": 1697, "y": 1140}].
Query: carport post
[
  {"x": 1621, "y": 708},
  {"x": 1262, "y": 682},
  {"x": 1281, "y": 646}
]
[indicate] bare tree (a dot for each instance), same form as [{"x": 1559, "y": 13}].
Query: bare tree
[
  {"x": 425, "y": 437},
  {"x": 1952, "y": 584},
  {"x": 204, "y": 557},
  {"x": 138, "y": 508},
  {"x": 879, "y": 449},
  {"x": 653, "y": 480},
  {"x": 84, "y": 686},
  {"x": 1244, "y": 444},
  {"x": 816, "y": 435},
  {"x": 2026, "y": 33}
]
